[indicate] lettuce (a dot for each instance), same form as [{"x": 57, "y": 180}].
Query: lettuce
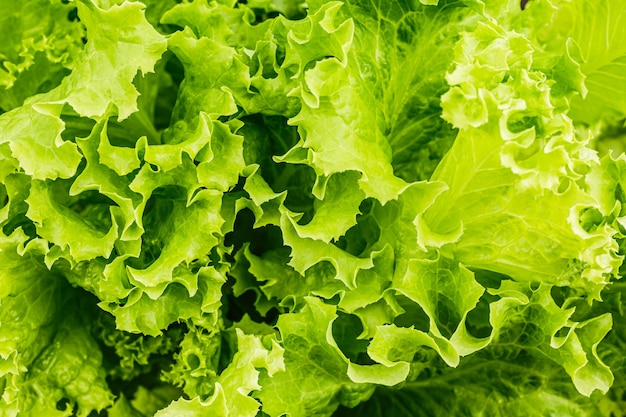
[{"x": 323, "y": 208}]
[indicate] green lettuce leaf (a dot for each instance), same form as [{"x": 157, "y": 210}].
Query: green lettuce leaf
[
  {"x": 50, "y": 363},
  {"x": 231, "y": 388},
  {"x": 603, "y": 57},
  {"x": 513, "y": 153},
  {"x": 314, "y": 380},
  {"x": 41, "y": 41}
]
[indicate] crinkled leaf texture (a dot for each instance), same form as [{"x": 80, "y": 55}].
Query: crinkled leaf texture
[{"x": 287, "y": 208}]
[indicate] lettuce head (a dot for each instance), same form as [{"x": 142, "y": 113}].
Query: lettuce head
[{"x": 325, "y": 208}]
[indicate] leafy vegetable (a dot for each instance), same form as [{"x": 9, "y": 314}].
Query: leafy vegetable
[{"x": 272, "y": 207}]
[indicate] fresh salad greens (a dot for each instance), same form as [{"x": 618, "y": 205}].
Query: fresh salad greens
[{"x": 325, "y": 208}]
